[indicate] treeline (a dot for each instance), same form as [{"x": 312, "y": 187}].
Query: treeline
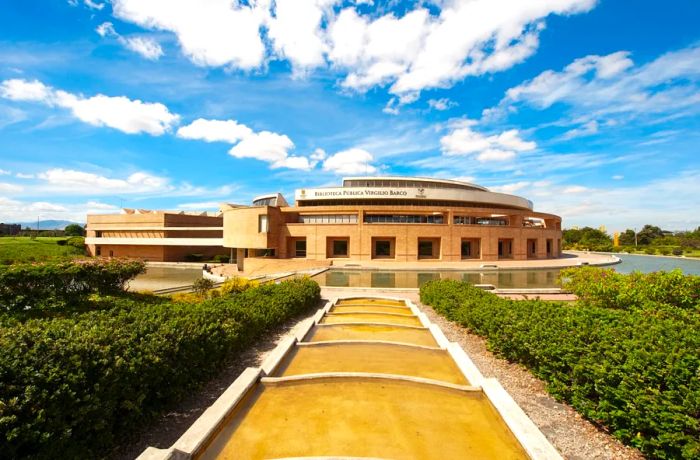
[{"x": 650, "y": 239}]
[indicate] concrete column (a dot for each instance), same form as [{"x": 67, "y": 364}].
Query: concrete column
[{"x": 240, "y": 257}]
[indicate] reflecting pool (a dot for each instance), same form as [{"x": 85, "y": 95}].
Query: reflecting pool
[{"x": 502, "y": 279}]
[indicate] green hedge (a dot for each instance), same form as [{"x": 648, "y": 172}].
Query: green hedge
[
  {"x": 608, "y": 289},
  {"x": 54, "y": 285},
  {"x": 75, "y": 385},
  {"x": 633, "y": 371}
]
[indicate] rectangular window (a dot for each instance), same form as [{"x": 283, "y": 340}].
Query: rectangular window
[
  {"x": 262, "y": 224},
  {"x": 505, "y": 248},
  {"x": 425, "y": 249},
  {"x": 466, "y": 249},
  {"x": 382, "y": 248},
  {"x": 300, "y": 248},
  {"x": 340, "y": 248},
  {"x": 549, "y": 248}
]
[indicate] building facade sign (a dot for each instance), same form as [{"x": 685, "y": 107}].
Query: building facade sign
[{"x": 350, "y": 193}]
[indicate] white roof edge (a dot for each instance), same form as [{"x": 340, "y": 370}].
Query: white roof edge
[{"x": 418, "y": 179}]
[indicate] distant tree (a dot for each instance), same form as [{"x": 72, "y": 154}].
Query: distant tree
[
  {"x": 74, "y": 230},
  {"x": 627, "y": 238},
  {"x": 587, "y": 238},
  {"x": 648, "y": 234}
]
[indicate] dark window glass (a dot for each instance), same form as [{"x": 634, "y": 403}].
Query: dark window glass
[
  {"x": 382, "y": 248},
  {"x": 340, "y": 247},
  {"x": 466, "y": 249},
  {"x": 300, "y": 248},
  {"x": 425, "y": 248}
]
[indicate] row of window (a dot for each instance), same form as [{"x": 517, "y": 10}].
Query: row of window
[
  {"x": 469, "y": 220},
  {"x": 404, "y": 184},
  {"x": 428, "y": 248},
  {"x": 329, "y": 219},
  {"x": 403, "y": 219}
]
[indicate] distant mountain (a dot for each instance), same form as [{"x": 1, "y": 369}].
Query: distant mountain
[{"x": 47, "y": 224}]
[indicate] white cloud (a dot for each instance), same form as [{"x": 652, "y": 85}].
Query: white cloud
[
  {"x": 318, "y": 155},
  {"x": 618, "y": 177},
  {"x": 463, "y": 140},
  {"x": 4, "y": 172},
  {"x": 587, "y": 129},
  {"x": 94, "y": 5},
  {"x": 264, "y": 145},
  {"x": 24, "y": 176},
  {"x": 351, "y": 161},
  {"x": 19, "y": 211},
  {"x": 126, "y": 115},
  {"x": 11, "y": 188},
  {"x": 73, "y": 181},
  {"x": 17, "y": 89},
  {"x": 422, "y": 48},
  {"x": 211, "y": 33},
  {"x": 295, "y": 31},
  {"x": 510, "y": 188},
  {"x": 599, "y": 87},
  {"x": 495, "y": 155},
  {"x": 215, "y": 131},
  {"x": 441, "y": 104},
  {"x": 145, "y": 46}
]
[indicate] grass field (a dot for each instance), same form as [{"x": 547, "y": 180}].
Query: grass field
[{"x": 25, "y": 249}]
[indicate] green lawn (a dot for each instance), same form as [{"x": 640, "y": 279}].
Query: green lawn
[{"x": 25, "y": 249}]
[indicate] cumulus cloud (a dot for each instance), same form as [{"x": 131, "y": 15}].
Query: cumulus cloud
[
  {"x": 145, "y": 46},
  {"x": 126, "y": 115},
  {"x": 215, "y": 131},
  {"x": 418, "y": 49},
  {"x": 463, "y": 140},
  {"x": 351, "y": 161},
  {"x": 264, "y": 145},
  {"x": 211, "y": 33},
  {"x": 295, "y": 31},
  {"x": 599, "y": 87}
]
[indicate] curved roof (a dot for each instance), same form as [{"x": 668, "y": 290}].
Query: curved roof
[{"x": 426, "y": 180}]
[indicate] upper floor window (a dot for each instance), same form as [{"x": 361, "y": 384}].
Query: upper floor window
[{"x": 262, "y": 224}]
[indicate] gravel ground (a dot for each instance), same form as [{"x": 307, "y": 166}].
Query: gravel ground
[
  {"x": 574, "y": 437},
  {"x": 167, "y": 428}
]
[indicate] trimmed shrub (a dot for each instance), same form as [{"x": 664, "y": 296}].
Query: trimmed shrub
[
  {"x": 76, "y": 241},
  {"x": 236, "y": 285},
  {"x": 221, "y": 258},
  {"x": 54, "y": 285},
  {"x": 194, "y": 257},
  {"x": 677, "y": 251},
  {"x": 606, "y": 288},
  {"x": 76, "y": 385},
  {"x": 634, "y": 371}
]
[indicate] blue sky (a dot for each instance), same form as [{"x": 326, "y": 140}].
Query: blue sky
[{"x": 590, "y": 109}]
